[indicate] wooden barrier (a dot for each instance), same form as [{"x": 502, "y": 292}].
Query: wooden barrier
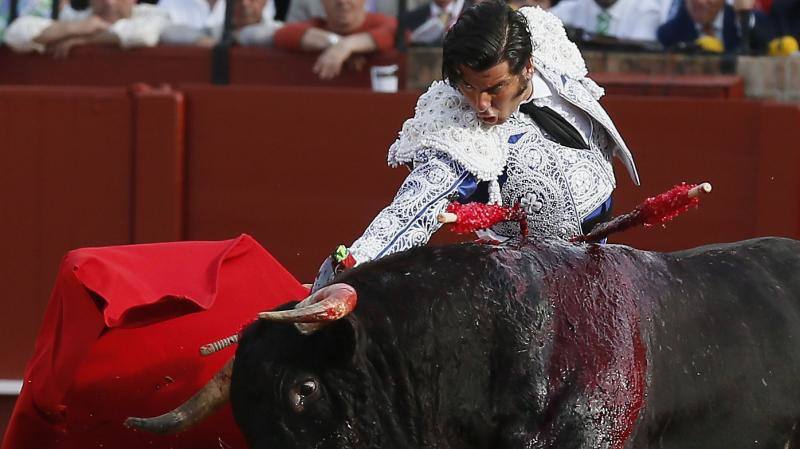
[
  {"x": 265, "y": 67},
  {"x": 106, "y": 66},
  {"x": 158, "y": 165},
  {"x": 689, "y": 86},
  {"x": 304, "y": 170},
  {"x": 745, "y": 149},
  {"x": 66, "y": 184}
]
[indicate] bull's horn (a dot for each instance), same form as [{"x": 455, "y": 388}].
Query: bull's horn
[
  {"x": 205, "y": 402},
  {"x": 330, "y": 303}
]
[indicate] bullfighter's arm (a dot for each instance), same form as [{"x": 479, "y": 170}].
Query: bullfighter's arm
[{"x": 410, "y": 219}]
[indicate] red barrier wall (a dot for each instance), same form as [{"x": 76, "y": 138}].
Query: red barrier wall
[
  {"x": 66, "y": 183},
  {"x": 265, "y": 67},
  {"x": 304, "y": 169},
  {"x": 747, "y": 150},
  {"x": 300, "y": 169},
  {"x": 690, "y": 86},
  {"x": 158, "y": 165},
  {"x": 107, "y": 66}
]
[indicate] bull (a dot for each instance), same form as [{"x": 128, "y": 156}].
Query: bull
[{"x": 528, "y": 345}]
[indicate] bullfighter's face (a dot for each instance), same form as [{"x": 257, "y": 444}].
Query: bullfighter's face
[{"x": 495, "y": 93}]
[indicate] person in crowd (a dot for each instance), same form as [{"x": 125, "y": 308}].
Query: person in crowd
[
  {"x": 621, "y": 19},
  {"x": 200, "y": 22},
  {"x": 428, "y": 23},
  {"x": 716, "y": 26},
  {"x": 113, "y": 22},
  {"x": 516, "y": 122},
  {"x": 348, "y": 31},
  {"x": 305, "y": 10},
  {"x": 544, "y": 4},
  {"x": 37, "y": 8},
  {"x": 786, "y": 16}
]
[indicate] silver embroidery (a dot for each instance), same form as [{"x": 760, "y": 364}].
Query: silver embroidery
[
  {"x": 556, "y": 185},
  {"x": 410, "y": 219}
]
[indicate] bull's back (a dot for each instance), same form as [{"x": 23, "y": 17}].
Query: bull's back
[{"x": 723, "y": 331}]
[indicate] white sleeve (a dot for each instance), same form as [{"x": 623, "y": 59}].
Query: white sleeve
[
  {"x": 21, "y": 33},
  {"x": 142, "y": 29},
  {"x": 258, "y": 34},
  {"x": 411, "y": 218}
]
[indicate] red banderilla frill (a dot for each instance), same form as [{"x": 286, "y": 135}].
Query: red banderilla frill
[
  {"x": 471, "y": 217},
  {"x": 654, "y": 210}
]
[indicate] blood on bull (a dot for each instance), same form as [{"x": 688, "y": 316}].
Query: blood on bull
[{"x": 535, "y": 345}]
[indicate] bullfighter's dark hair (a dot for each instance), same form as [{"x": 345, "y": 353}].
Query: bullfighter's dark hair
[{"x": 486, "y": 35}]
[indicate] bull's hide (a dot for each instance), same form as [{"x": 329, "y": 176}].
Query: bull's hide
[{"x": 547, "y": 345}]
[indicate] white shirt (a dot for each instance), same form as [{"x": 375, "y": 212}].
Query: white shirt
[
  {"x": 194, "y": 13},
  {"x": 716, "y": 24},
  {"x": 453, "y": 8},
  {"x": 191, "y": 20},
  {"x": 629, "y": 19},
  {"x": 432, "y": 30},
  {"x": 198, "y": 14},
  {"x": 141, "y": 29}
]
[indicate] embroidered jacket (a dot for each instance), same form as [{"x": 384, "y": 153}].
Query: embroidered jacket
[{"x": 452, "y": 152}]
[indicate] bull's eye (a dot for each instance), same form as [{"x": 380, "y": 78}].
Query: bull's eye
[
  {"x": 308, "y": 388},
  {"x": 303, "y": 394}
]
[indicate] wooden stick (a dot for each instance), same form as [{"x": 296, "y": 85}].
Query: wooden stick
[
  {"x": 447, "y": 217},
  {"x": 219, "y": 345},
  {"x": 699, "y": 190}
]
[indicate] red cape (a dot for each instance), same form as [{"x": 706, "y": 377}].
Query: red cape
[{"x": 121, "y": 336}]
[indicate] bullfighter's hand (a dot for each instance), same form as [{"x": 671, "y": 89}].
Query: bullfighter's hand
[
  {"x": 325, "y": 274},
  {"x": 329, "y": 64}
]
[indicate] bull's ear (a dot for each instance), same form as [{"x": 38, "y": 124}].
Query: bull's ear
[{"x": 338, "y": 342}]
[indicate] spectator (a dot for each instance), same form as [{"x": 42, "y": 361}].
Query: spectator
[
  {"x": 38, "y": 8},
  {"x": 112, "y": 22},
  {"x": 427, "y": 23},
  {"x": 544, "y": 4},
  {"x": 621, "y": 19},
  {"x": 304, "y": 10},
  {"x": 786, "y": 14},
  {"x": 200, "y": 22},
  {"x": 348, "y": 30},
  {"x": 715, "y": 26}
]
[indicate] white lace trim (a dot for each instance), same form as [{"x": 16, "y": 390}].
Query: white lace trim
[
  {"x": 444, "y": 121},
  {"x": 550, "y": 45}
]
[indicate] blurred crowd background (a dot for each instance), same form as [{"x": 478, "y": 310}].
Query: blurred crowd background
[{"x": 342, "y": 30}]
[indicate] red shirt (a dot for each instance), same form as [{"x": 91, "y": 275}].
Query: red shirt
[{"x": 379, "y": 26}]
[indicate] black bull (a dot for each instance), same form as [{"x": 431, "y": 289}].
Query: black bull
[{"x": 548, "y": 345}]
